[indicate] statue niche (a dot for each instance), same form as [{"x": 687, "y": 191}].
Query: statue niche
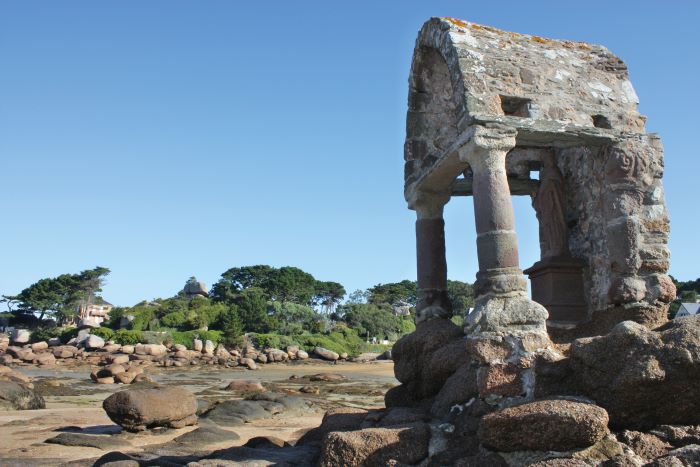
[{"x": 557, "y": 279}]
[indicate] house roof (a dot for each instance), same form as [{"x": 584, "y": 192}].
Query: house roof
[
  {"x": 691, "y": 308},
  {"x": 101, "y": 301}
]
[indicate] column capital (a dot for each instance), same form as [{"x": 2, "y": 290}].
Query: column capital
[
  {"x": 488, "y": 145},
  {"x": 428, "y": 205}
]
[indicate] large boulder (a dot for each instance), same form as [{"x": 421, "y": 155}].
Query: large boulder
[
  {"x": 140, "y": 409},
  {"x": 326, "y": 354},
  {"x": 65, "y": 351},
  {"x": 547, "y": 425},
  {"x": 42, "y": 345},
  {"x": 88, "y": 323},
  {"x": 426, "y": 358},
  {"x": 641, "y": 377},
  {"x": 94, "y": 342},
  {"x": 376, "y": 446},
  {"x": 336, "y": 419},
  {"x": 20, "y": 336},
  {"x": 15, "y": 395}
]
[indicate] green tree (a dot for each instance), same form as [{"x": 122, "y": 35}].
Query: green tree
[
  {"x": 61, "y": 297},
  {"x": 86, "y": 286},
  {"x": 292, "y": 318},
  {"x": 231, "y": 326},
  {"x": 327, "y": 295},
  {"x": 461, "y": 295},
  {"x": 252, "y": 310},
  {"x": 393, "y": 293},
  {"x": 290, "y": 284},
  {"x": 235, "y": 280},
  {"x": 358, "y": 296},
  {"x": 370, "y": 320}
]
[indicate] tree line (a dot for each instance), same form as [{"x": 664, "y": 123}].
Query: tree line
[{"x": 260, "y": 299}]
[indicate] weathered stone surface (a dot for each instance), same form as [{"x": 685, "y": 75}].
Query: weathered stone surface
[
  {"x": 265, "y": 442},
  {"x": 139, "y": 409},
  {"x": 119, "y": 359},
  {"x": 94, "y": 342},
  {"x": 44, "y": 358},
  {"x": 326, "y": 354},
  {"x": 327, "y": 377},
  {"x": 204, "y": 435},
  {"x": 641, "y": 377},
  {"x": 20, "y": 336},
  {"x": 102, "y": 442},
  {"x": 238, "y": 412},
  {"x": 397, "y": 416},
  {"x": 16, "y": 395},
  {"x": 501, "y": 379},
  {"x": 249, "y": 363},
  {"x": 335, "y": 420},
  {"x": 242, "y": 385},
  {"x": 548, "y": 425},
  {"x": 424, "y": 359},
  {"x": 376, "y": 446},
  {"x": 65, "y": 351},
  {"x": 458, "y": 389},
  {"x": 645, "y": 445},
  {"x": 40, "y": 346},
  {"x": 678, "y": 435}
]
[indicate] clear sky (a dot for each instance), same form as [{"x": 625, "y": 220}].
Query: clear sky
[{"x": 165, "y": 139}]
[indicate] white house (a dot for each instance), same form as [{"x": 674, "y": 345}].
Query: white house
[{"x": 688, "y": 309}]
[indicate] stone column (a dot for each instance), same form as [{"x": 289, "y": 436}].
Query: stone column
[
  {"x": 502, "y": 303},
  {"x": 496, "y": 242},
  {"x": 433, "y": 301}
]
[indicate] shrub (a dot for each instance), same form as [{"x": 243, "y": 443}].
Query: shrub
[
  {"x": 182, "y": 337},
  {"x": 44, "y": 334},
  {"x": 155, "y": 337},
  {"x": 318, "y": 340},
  {"x": 275, "y": 341},
  {"x": 128, "y": 337},
  {"x": 68, "y": 334},
  {"x": 186, "y": 338},
  {"x": 173, "y": 320},
  {"x": 105, "y": 333}
]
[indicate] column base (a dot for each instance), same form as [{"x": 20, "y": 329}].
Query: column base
[
  {"x": 432, "y": 303},
  {"x": 510, "y": 313},
  {"x": 499, "y": 281}
]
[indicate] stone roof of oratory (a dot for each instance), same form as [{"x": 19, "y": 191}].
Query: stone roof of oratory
[{"x": 566, "y": 82}]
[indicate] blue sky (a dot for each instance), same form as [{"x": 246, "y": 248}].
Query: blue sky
[{"x": 165, "y": 139}]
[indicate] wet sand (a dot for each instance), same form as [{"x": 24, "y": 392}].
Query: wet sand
[{"x": 74, "y": 403}]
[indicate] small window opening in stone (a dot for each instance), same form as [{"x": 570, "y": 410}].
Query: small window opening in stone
[
  {"x": 534, "y": 175},
  {"x": 515, "y": 106},
  {"x": 601, "y": 121}
]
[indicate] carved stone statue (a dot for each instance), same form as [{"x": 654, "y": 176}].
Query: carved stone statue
[{"x": 548, "y": 202}]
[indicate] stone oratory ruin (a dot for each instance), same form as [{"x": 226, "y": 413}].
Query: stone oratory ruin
[
  {"x": 486, "y": 109},
  {"x": 586, "y": 372}
]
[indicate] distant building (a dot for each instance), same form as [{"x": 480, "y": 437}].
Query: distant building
[
  {"x": 94, "y": 314},
  {"x": 688, "y": 309}
]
